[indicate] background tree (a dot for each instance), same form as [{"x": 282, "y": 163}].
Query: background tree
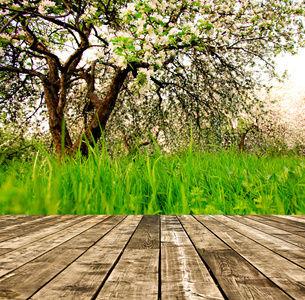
[{"x": 153, "y": 64}]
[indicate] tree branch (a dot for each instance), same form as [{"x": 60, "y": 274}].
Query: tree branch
[
  {"x": 23, "y": 71},
  {"x": 8, "y": 22}
]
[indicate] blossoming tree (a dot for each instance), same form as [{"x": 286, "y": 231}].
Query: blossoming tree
[{"x": 204, "y": 56}]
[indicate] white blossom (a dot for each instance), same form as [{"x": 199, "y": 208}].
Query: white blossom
[
  {"x": 186, "y": 38},
  {"x": 149, "y": 29},
  {"x": 44, "y": 4},
  {"x": 92, "y": 10},
  {"x": 124, "y": 34},
  {"x": 131, "y": 7},
  {"x": 47, "y": 3},
  {"x": 140, "y": 29},
  {"x": 5, "y": 36},
  {"x": 159, "y": 62},
  {"x": 21, "y": 32},
  {"x": 147, "y": 56},
  {"x": 120, "y": 61},
  {"x": 163, "y": 55},
  {"x": 147, "y": 47},
  {"x": 173, "y": 31},
  {"x": 140, "y": 22},
  {"x": 164, "y": 39},
  {"x": 124, "y": 12}
]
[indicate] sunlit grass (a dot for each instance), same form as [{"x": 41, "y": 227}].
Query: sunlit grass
[{"x": 193, "y": 182}]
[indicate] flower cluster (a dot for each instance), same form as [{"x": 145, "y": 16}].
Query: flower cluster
[{"x": 45, "y": 4}]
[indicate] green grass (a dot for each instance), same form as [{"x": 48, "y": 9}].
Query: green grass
[{"x": 192, "y": 182}]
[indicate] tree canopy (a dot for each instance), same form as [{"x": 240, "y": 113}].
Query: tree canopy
[{"x": 155, "y": 64}]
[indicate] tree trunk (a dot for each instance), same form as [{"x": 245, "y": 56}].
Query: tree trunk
[
  {"x": 241, "y": 145},
  {"x": 56, "y": 121},
  {"x": 103, "y": 112}
]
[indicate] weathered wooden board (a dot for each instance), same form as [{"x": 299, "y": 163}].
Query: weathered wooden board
[
  {"x": 269, "y": 221},
  {"x": 136, "y": 274},
  {"x": 237, "y": 277},
  {"x": 152, "y": 257},
  {"x": 294, "y": 218},
  {"x": 299, "y": 216},
  {"x": 16, "y": 258},
  {"x": 147, "y": 235},
  {"x": 183, "y": 274},
  {"x": 83, "y": 278},
  {"x": 298, "y": 225},
  {"x": 30, "y": 237},
  {"x": 10, "y": 220},
  {"x": 33, "y": 275},
  {"x": 285, "y": 274},
  {"x": 277, "y": 232},
  {"x": 281, "y": 247},
  {"x": 28, "y": 226}
]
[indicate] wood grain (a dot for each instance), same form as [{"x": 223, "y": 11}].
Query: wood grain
[
  {"x": 29, "y": 278},
  {"x": 298, "y": 225},
  {"x": 28, "y": 226},
  {"x": 16, "y": 258},
  {"x": 183, "y": 274},
  {"x": 297, "y": 218},
  {"x": 152, "y": 257},
  {"x": 281, "y": 247},
  {"x": 136, "y": 274},
  {"x": 83, "y": 278},
  {"x": 30, "y": 237},
  {"x": 285, "y": 274},
  {"x": 269, "y": 221},
  {"x": 147, "y": 235},
  {"x": 277, "y": 232},
  {"x": 236, "y": 276}
]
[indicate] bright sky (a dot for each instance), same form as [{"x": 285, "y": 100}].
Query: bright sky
[{"x": 295, "y": 64}]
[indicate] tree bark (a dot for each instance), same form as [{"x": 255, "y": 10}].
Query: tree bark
[
  {"x": 103, "y": 112},
  {"x": 241, "y": 145},
  {"x": 56, "y": 121}
]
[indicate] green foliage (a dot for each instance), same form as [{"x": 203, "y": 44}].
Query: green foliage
[
  {"x": 190, "y": 182},
  {"x": 188, "y": 63},
  {"x": 14, "y": 146}
]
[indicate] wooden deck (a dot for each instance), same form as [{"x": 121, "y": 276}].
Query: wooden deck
[{"x": 152, "y": 257}]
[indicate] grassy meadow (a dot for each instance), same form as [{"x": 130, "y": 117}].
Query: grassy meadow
[{"x": 192, "y": 182}]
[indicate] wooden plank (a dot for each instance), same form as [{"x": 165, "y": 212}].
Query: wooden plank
[
  {"x": 136, "y": 274},
  {"x": 26, "y": 280},
  {"x": 134, "y": 277},
  {"x": 284, "y": 235},
  {"x": 83, "y": 278},
  {"x": 173, "y": 234},
  {"x": 147, "y": 235},
  {"x": 25, "y": 228},
  {"x": 285, "y": 274},
  {"x": 57, "y": 225},
  {"x": 294, "y": 217},
  {"x": 281, "y": 247},
  {"x": 288, "y": 222},
  {"x": 24, "y": 221},
  {"x": 16, "y": 258},
  {"x": 8, "y": 220},
  {"x": 237, "y": 277},
  {"x": 183, "y": 274},
  {"x": 270, "y": 222}
]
